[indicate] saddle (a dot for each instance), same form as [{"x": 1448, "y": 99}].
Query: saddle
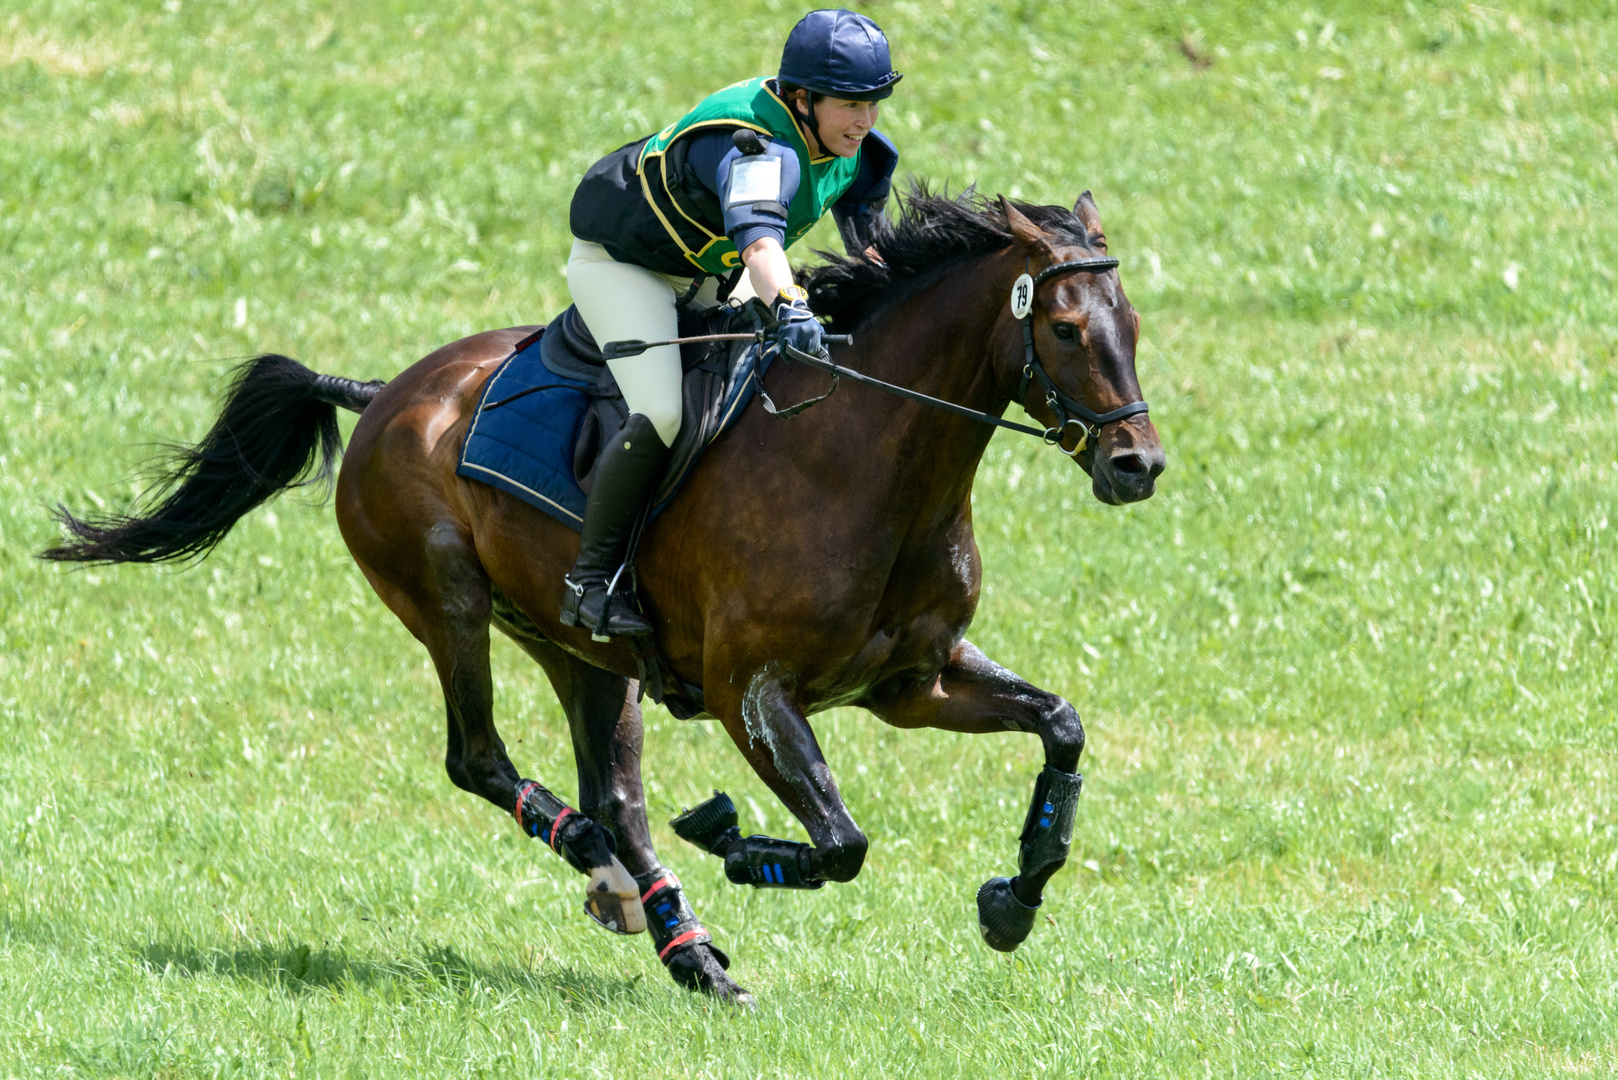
[
  {"x": 718, "y": 376},
  {"x": 553, "y": 404}
]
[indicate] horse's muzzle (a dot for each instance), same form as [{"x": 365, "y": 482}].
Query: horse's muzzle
[{"x": 1125, "y": 462}]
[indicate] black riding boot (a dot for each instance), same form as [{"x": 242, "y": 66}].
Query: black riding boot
[{"x": 629, "y": 467}]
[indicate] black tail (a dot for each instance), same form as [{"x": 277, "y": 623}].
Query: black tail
[{"x": 279, "y": 420}]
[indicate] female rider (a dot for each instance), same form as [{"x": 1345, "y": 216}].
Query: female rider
[{"x": 688, "y": 206}]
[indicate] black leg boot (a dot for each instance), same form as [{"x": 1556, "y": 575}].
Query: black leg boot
[{"x": 629, "y": 467}]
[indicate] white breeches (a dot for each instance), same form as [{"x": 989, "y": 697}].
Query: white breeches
[{"x": 622, "y": 301}]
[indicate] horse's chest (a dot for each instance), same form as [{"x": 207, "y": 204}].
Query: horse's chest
[
  {"x": 924, "y": 610},
  {"x": 937, "y": 577}
]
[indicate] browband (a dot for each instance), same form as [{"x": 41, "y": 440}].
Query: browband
[{"x": 1095, "y": 264}]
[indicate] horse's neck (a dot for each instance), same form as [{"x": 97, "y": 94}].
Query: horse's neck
[{"x": 940, "y": 343}]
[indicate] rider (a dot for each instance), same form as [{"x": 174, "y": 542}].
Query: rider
[{"x": 677, "y": 211}]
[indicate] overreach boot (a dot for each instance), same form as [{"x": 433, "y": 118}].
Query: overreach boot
[{"x": 629, "y": 466}]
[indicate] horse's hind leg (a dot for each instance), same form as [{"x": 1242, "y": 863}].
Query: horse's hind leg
[
  {"x": 607, "y": 736},
  {"x": 975, "y": 695},
  {"x": 449, "y": 612}
]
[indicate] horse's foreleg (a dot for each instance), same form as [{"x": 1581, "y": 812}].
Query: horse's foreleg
[
  {"x": 605, "y": 720},
  {"x": 773, "y": 734},
  {"x": 455, "y": 629},
  {"x": 975, "y": 695}
]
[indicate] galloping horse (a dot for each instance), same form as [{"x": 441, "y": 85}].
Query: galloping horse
[{"x": 824, "y": 561}]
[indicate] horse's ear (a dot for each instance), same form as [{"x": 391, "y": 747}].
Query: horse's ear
[
  {"x": 1022, "y": 228},
  {"x": 1085, "y": 210}
]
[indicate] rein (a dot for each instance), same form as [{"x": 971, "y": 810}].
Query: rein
[
  {"x": 1068, "y": 410},
  {"x": 837, "y": 370}
]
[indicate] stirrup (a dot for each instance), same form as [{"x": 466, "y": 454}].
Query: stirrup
[
  {"x": 615, "y": 619},
  {"x": 572, "y": 597}
]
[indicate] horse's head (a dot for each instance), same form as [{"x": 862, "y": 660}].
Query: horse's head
[{"x": 1084, "y": 333}]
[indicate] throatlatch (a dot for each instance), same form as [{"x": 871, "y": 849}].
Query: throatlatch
[
  {"x": 611, "y": 898},
  {"x": 760, "y": 861},
  {"x": 1047, "y": 837},
  {"x": 669, "y": 917}
]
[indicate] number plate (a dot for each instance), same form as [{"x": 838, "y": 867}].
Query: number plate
[{"x": 1022, "y": 296}]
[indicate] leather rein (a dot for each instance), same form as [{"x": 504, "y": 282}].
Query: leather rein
[{"x": 1067, "y": 410}]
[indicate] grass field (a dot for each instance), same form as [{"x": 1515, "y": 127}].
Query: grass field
[{"x": 1348, "y": 678}]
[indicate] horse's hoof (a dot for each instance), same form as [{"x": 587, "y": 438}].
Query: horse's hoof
[
  {"x": 613, "y": 900},
  {"x": 702, "y": 968},
  {"x": 1004, "y": 920},
  {"x": 739, "y": 998}
]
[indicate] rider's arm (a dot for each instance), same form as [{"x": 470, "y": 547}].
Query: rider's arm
[
  {"x": 754, "y": 192},
  {"x": 767, "y": 267},
  {"x": 859, "y": 212},
  {"x": 771, "y": 276}
]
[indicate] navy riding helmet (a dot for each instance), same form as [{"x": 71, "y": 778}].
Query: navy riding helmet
[{"x": 839, "y": 54}]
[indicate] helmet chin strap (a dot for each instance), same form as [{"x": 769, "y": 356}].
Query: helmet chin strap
[{"x": 811, "y": 121}]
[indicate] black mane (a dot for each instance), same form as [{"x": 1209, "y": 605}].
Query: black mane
[{"x": 931, "y": 232}]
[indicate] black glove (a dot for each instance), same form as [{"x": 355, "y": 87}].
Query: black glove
[{"x": 798, "y": 326}]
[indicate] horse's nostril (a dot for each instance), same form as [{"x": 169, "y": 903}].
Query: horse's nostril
[{"x": 1128, "y": 463}]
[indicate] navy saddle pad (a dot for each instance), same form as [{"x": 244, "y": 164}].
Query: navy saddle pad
[{"x": 552, "y": 404}]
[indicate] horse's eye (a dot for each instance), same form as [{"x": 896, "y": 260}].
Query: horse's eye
[{"x": 1064, "y": 331}]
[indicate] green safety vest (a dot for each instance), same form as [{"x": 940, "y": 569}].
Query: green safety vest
[{"x": 748, "y": 104}]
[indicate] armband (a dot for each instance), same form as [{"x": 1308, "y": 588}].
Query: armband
[{"x": 754, "y": 180}]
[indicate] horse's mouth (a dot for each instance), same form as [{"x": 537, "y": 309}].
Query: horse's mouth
[{"x": 1125, "y": 475}]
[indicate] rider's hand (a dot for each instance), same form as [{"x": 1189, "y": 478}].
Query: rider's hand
[{"x": 798, "y": 326}]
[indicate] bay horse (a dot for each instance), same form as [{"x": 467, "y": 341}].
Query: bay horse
[{"x": 824, "y": 561}]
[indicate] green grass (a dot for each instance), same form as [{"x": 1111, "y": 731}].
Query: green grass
[{"x": 1349, "y": 677}]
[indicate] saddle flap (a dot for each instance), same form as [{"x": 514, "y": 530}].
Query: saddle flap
[
  {"x": 568, "y": 350},
  {"x": 601, "y": 422},
  {"x": 711, "y": 373}
]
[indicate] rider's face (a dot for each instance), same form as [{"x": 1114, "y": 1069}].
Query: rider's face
[{"x": 844, "y": 123}]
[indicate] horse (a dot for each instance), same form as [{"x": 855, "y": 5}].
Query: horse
[{"x": 824, "y": 561}]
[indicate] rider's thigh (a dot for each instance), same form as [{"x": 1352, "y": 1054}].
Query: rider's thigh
[{"x": 621, "y": 301}]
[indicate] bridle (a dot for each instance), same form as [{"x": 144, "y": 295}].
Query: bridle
[{"x": 1067, "y": 410}]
